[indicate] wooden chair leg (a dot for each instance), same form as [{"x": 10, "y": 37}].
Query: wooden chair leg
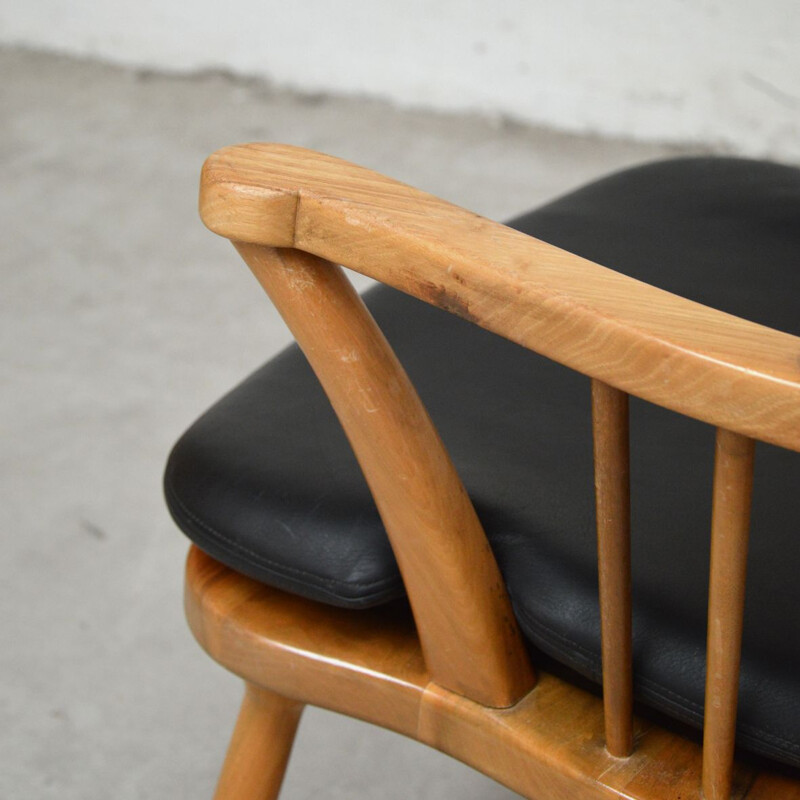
[{"x": 260, "y": 746}]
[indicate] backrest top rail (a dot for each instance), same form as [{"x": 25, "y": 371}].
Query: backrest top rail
[{"x": 677, "y": 353}]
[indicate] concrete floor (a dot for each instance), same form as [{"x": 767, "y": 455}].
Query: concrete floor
[{"x": 122, "y": 319}]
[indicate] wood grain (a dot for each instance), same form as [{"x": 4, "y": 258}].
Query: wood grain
[
  {"x": 730, "y": 529},
  {"x": 446, "y": 685},
  {"x": 368, "y": 664},
  {"x": 612, "y": 490},
  {"x": 645, "y": 341},
  {"x": 468, "y": 631}
]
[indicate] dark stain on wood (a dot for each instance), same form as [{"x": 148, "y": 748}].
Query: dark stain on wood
[{"x": 441, "y": 297}]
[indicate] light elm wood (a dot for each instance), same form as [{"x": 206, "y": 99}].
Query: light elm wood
[
  {"x": 260, "y": 747},
  {"x": 612, "y": 489},
  {"x": 730, "y": 528},
  {"x": 645, "y": 341},
  {"x": 468, "y": 631},
  {"x": 458, "y": 679},
  {"x": 368, "y": 664}
]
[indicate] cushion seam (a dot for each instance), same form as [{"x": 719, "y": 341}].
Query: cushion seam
[{"x": 261, "y": 560}]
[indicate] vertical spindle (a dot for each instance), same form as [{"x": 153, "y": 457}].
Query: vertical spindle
[
  {"x": 730, "y": 524},
  {"x": 612, "y": 491}
]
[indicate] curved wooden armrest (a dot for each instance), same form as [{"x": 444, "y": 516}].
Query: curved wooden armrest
[{"x": 674, "y": 352}]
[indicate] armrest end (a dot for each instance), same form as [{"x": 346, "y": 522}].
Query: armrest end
[{"x": 238, "y": 199}]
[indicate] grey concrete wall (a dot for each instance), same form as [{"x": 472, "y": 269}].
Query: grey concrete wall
[{"x": 719, "y": 72}]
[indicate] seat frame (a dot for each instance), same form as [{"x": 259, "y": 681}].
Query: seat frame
[
  {"x": 368, "y": 664},
  {"x": 452, "y": 670}
]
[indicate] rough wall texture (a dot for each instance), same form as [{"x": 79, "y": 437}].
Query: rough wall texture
[{"x": 720, "y": 72}]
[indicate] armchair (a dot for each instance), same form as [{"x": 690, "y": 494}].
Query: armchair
[{"x": 293, "y": 585}]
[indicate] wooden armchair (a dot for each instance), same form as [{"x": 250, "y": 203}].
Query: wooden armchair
[{"x": 450, "y": 665}]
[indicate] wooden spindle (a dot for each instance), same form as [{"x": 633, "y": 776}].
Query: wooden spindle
[
  {"x": 730, "y": 525},
  {"x": 612, "y": 490}
]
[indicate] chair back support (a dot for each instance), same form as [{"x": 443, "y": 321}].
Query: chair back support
[{"x": 466, "y": 626}]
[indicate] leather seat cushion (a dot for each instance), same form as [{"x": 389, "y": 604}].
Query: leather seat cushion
[{"x": 266, "y": 482}]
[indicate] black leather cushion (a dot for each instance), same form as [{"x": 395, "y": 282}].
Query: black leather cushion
[{"x": 266, "y": 482}]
